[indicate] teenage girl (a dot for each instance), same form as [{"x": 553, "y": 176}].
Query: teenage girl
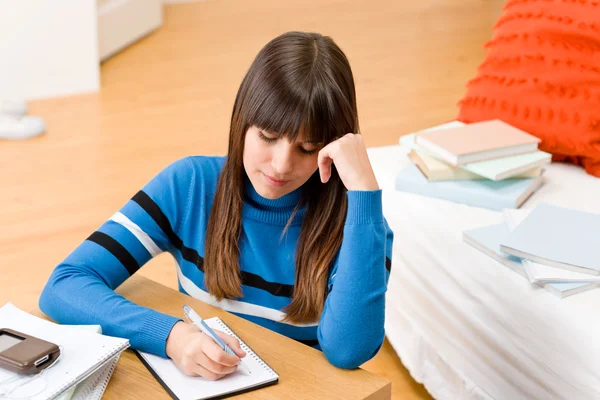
[{"x": 286, "y": 230}]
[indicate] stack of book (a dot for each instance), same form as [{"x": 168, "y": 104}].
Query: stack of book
[
  {"x": 554, "y": 247},
  {"x": 488, "y": 164}
]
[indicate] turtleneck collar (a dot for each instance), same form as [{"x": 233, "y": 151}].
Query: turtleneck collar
[{"x": 276, "y": 212}]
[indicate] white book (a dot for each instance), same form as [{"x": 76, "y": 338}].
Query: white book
[
  {"x": 558, "y": 237},
  {"x": 487, "y": 240},
  {"x": 82, "y": 355},
  {"x": 537, "y": 272}
]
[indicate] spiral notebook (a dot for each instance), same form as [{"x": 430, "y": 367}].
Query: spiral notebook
[
  {"x": 183, "y": 387},
  {"x": 83, "y": 355},
  {"x": 93, "y": 387}
]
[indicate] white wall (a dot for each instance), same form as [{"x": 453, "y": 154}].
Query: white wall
[{"x": 48, "y": 48}]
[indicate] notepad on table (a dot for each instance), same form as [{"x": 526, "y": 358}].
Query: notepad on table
[
  {"x": 183, "y": 387},
  {"x": 487, "y": 239},
  {"x": 558, "y": 237},
  {"x": 495, "y": 195},
  {"x": 86, "y": 357},
  {"x": 479, "y": 141}
]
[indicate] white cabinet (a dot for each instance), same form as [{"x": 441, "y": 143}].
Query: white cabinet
[
  {"x": 54, "y": 48},
  {"x": 122, "y": 22},
  {"x": 48, "y": 48}
]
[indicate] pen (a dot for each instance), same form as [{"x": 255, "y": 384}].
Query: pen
[{"x": 193, "y": 317}]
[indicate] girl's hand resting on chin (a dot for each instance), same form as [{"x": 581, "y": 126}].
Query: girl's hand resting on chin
[{"x": 349, "y": 155}]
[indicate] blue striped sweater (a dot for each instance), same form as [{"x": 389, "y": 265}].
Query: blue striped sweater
[{"x": 171, "y": 214}]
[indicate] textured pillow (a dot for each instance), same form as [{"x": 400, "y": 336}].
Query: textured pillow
[{"x": 542, "y": 74}]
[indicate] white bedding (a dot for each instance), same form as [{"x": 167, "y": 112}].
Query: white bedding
[{"x": 467, "y": 326}]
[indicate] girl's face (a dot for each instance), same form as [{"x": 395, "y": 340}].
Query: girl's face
[{"x": 275, "y": 166}]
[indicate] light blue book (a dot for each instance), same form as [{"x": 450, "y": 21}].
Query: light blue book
[
  {"x": 558, "y": 237},
  {"x": 495, "y": 195},
  {"x": 495, "y": 169},
  {"x": 488, "y": 238}
]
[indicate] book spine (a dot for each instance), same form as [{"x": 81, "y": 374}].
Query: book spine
[{"x": 469, "y": 198}]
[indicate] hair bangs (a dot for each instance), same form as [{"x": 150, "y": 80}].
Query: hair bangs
[{"x": 311, "y": 118}]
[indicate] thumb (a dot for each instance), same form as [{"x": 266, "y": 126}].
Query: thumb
[{"x": 233, "y": 343}]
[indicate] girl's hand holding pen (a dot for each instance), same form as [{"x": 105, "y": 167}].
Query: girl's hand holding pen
[{"x": 196, "y": 354}]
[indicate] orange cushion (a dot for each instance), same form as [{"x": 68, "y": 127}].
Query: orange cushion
[{"x": 542, "y": 74}]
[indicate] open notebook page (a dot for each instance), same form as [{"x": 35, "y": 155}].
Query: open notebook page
[{"x": 183, "y": 387}]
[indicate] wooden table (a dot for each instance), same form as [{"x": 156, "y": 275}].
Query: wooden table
[{"x": 304, "y": 373}]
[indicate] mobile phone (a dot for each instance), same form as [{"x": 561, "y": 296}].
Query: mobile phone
[{"x": 25, "y": 354}]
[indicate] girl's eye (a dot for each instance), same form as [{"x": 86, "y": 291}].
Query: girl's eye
[
  {"x": 266, "y": 139},
  {"x": 307, "y": 152}
]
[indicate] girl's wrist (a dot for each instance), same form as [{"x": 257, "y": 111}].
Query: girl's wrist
[
  {"x": 178, "y": 330},
  {"x": 364, "y": 207}
]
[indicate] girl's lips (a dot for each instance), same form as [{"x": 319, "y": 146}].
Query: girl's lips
[{"x": 273, "y": 181}]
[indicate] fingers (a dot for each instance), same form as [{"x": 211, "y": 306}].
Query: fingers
[
  {"x": 232, "y": 342},
  {"x": 191, "y": 368},
  {"x": 200, "y": 364},
  {"x": 214, "y": 367},
  {"x": 218, "y": 355},
  {"x": 324, "y": 162},
  {"x": 201, "y": 356},
  {"x": 209, "y": 375}
]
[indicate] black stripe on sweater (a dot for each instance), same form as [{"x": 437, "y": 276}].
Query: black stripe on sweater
[
  {"x": 276, "y": 289},
  {"x": 191, "y": 255},
  {"x": 388, "y": 264},
  {"x": 117, "y": 250},
  {"x": 162, "y": 221}
]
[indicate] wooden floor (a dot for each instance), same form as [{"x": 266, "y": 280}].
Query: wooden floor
[{"x": 171, "y": 95}]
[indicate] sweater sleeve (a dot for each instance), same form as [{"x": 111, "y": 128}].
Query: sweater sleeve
[
  {"x": 351, "y": 329},
  {"x": 80, "y": 290}
]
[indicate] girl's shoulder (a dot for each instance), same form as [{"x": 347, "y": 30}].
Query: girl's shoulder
[
  {"x": 206, "y": 169},
  {"x": 191, "y": 171},
  {"x": 207, "y": 164}
]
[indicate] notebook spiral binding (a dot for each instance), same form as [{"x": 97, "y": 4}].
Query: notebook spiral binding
[
  {"x": 100, "y": 363},
  {"x": 246, "y": 348},
  {"x": 95, "y": 388}
]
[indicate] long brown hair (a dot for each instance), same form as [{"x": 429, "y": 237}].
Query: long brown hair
[{"x": 298, "y": 83}]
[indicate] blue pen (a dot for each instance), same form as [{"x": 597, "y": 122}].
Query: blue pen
[{"x": 193, "y": 317}]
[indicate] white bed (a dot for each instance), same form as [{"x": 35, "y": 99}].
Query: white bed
[{"x": 468, "y": 327}]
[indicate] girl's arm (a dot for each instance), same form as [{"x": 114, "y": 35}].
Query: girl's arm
[
  {"x": 351, "y": 329},
  {"x": 80, "y": 290}
]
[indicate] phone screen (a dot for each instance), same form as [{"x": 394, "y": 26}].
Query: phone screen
[{"x": 7, "y": 341}]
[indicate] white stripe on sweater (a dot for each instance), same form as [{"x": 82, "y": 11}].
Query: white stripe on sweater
[
  {"x": 194, "y": 291},
  {"x": 234, "y": 305},
  {"x": 136, "y": 231}
]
